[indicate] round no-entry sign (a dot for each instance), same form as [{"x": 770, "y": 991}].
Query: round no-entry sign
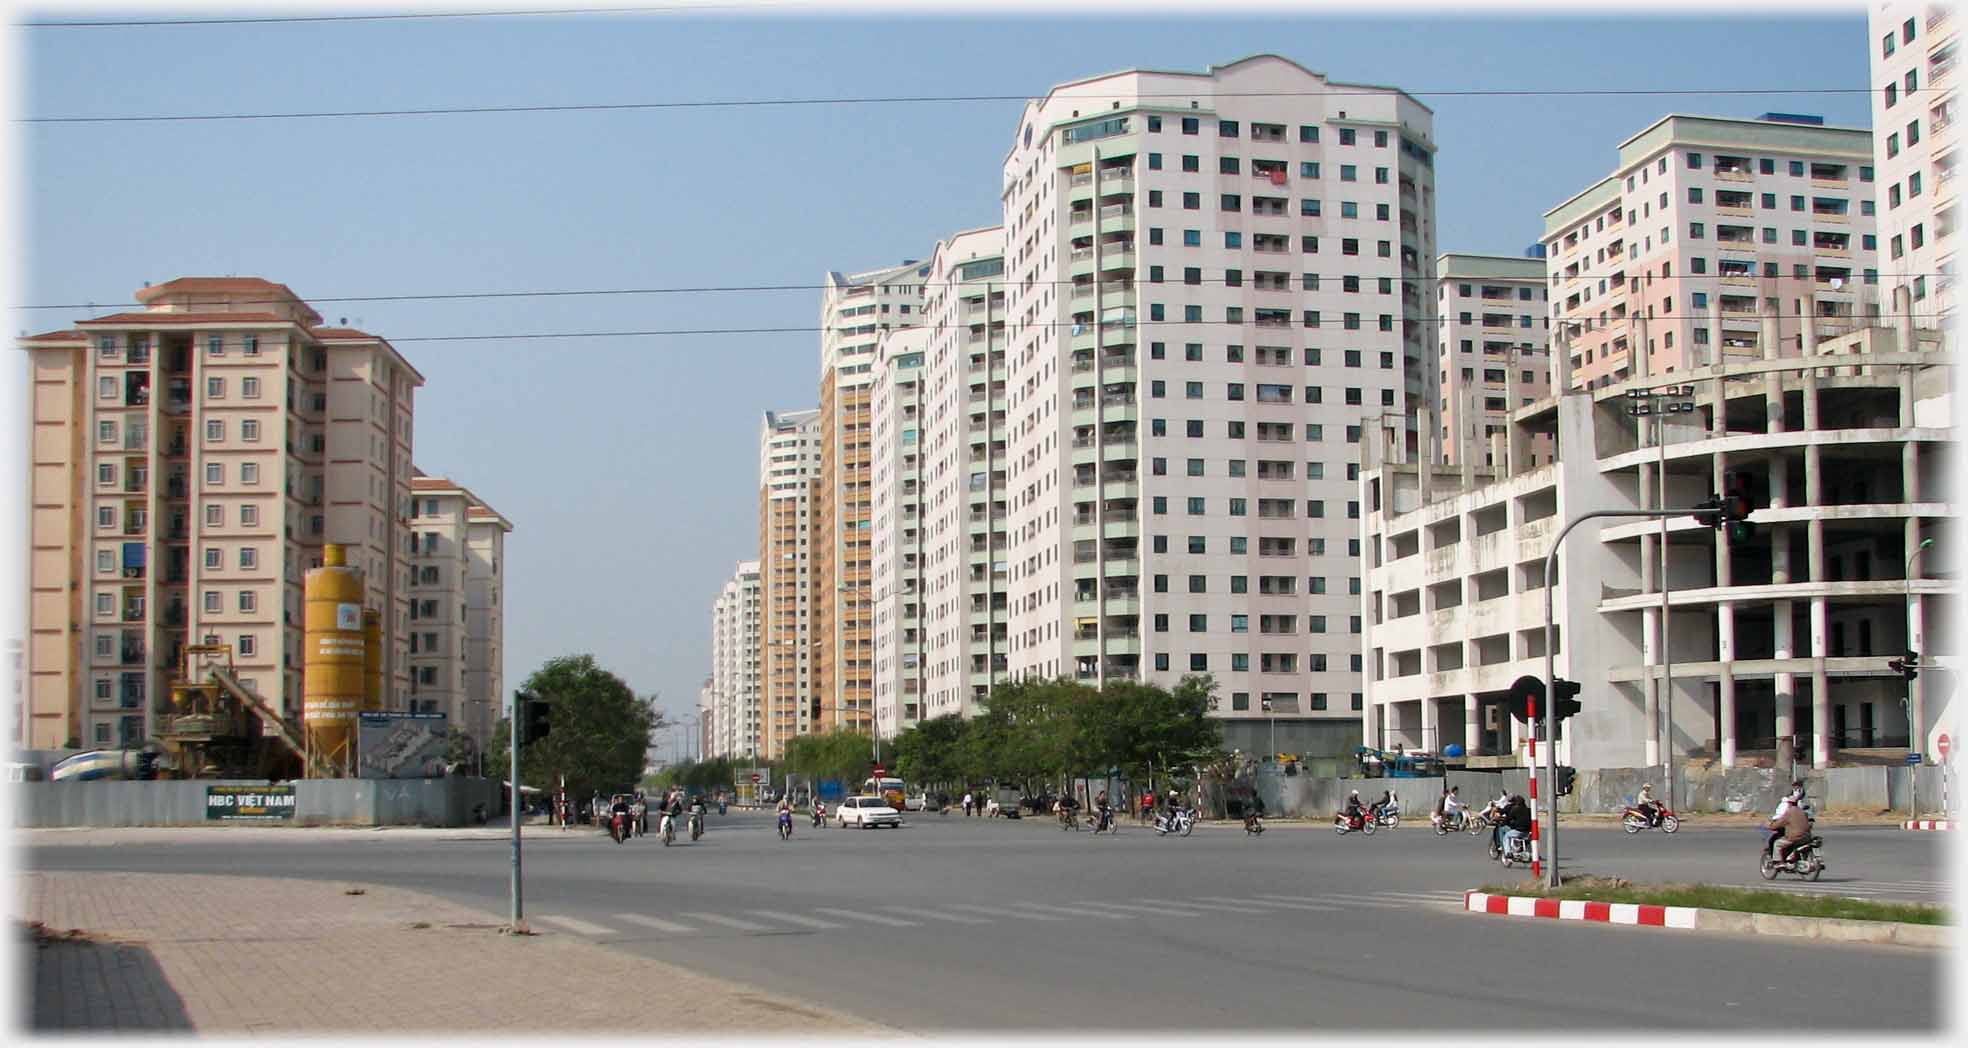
[
  {"x": 1944, "y": 745},
  {"x": 755, "y": 776}
]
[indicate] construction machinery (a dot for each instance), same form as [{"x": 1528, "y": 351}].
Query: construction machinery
[{"x": 216, "y": 727}]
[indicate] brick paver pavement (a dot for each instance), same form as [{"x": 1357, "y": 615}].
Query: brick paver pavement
[{"x": 251, "y": 955}]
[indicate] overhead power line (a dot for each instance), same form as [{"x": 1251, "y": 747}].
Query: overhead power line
[
  {"x": 799, "y": 329},
  {"x": 1138, "y": 284},
  {"x": 403, "y": 17},
  {"x": 738, "y": 103}
]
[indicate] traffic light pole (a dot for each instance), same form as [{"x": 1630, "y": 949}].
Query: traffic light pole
[
  {"x": 1550, "y": 855},
  {"x": 517, "y": 720}
]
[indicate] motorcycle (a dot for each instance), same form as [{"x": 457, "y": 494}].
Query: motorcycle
[
  {"x": 785, "y": 825},
  {"x": 1180, "y": 822},
  {"x": 669, "y": 830},
  {"x": 1633, "y": 820},
  {"x": 1806, "y": 860},
  {"x": 819, "y": 816},
  {"x": 1519, "y": 850},
  {"x": 1457, "y": 822},
  {"x": 1102, "y": 821},
  {"x": 618, "y": 827},
  {"x": 1343, "y": 825},
  {"x": 1388, "y": 817},
  {"x": 1253, "y": 824},
  {"x": 720, "y": 806},
  {"x": 696, "y": 825}
]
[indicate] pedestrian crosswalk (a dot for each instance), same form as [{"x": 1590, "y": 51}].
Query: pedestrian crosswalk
[{"x": 825, "y": 919}]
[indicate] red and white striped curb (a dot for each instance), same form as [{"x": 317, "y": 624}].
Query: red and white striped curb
[
  {"x": 1931, "y": 824},
  {"x": 1581, "y": 910}
]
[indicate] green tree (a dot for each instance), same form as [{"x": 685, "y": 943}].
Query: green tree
[
  {"x": 599, "y": 729},
  {"x": 930, "y": 754},
  {"x": 842, "y": 755}
]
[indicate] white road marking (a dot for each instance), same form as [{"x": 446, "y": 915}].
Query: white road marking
[
  {"x": 1200, "y": 905},
  {"x": 729, "y": 922},
  {"x": 999, "y": 911},
  {"x": 575, "y": 924},
  {"x": 794, "y": 918},
  {"x": 1070, "y": 911},
  {"x": 1300, "y": 902},
  {"x": 657, "y": 923},
  {"x": 933, "y": 915},
  {"x": 872, "y": 918},
  {"x": 1152, "y": 911}
]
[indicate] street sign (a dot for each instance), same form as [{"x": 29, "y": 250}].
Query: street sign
[
  {"x": 1944, "y": 745},
  {"x": 755, "y": 776},
  {"x": 1913, "y": 758},
  {"x": 880, "y": 771}
]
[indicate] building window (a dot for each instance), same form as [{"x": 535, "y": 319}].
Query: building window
[
  {"x": 214, "y": 473},
  {"x": 249, "y": 558},
  {"x": 248, "y": 600},
  {"x": 248, "y": 647},
  {"x": 249, "y": 429},
  {"x": 214, "y": 345},
  {"x": 215, "y": 429},
  {"x": 213, "y": 602},
  {"x": 249, "y": 388},
  {"x": 249, "y": 473},
  {"x": 249, "y": 515}
]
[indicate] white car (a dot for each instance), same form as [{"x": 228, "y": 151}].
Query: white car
[
  {"x": 867, "y": 812},
  {"x": 919, "y": 802}
]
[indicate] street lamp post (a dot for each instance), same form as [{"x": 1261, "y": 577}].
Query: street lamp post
[{"x": 1660, "y": 403}]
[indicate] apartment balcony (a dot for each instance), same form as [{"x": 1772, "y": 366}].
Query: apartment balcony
[
  {"x": 132, "y": 656},
  {"x": 136, "y": 527},
  {"x": 136, "y": 440},
  {"x": 1734, "y": 174},
  {"x": 133, "y": 612}
]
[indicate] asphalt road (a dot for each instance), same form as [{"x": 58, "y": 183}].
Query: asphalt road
[{"x": 950, "y": 924}]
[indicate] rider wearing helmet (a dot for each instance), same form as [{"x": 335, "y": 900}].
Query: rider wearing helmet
[
  {"x": 1353, "y": 812},
  {"x": 1647, "y": 805}
]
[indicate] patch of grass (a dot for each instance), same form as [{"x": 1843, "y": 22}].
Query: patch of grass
[{"x": 1718, "y": 897}]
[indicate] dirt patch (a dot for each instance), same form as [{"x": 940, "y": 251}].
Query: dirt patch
[{"x": 43, "y": 936}]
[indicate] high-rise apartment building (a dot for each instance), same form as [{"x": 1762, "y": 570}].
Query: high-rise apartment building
[
  {"x": 457, "y": 614},
  {"x": 735, "y": 657},
  {"x": 1913, "y": 48},
  {"x": 854, "y": 311},
  {"x": 1215, "y": 293},
  {"x": 1707, "y": 226},
  {"x": 189, "y": 460},
  {"x": 898, "y": 568},
  {"x": 1495, "y": 323},
  {"x": 966, "y": 549},
  {"x": 789, "y": 455}
]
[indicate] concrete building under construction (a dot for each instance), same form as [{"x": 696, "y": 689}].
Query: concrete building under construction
[{"x": 1771, "y": 649}]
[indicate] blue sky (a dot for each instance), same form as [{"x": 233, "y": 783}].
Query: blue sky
[{"x": 628, "y": 465}]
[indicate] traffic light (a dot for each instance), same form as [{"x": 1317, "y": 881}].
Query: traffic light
[
  {"x": 1518, "y": 699},
  {"x": 1564, "y": 698},
  {"x": 1563, "y": 786},
  {"x": 1908, "y": 668},
  {"x": 1708, "y": 512},
  {"x": 535, "y": 717},
  {"x": 1736, "y": 508}
]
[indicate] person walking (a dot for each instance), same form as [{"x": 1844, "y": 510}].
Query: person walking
[{"x": 968, "y": 801}]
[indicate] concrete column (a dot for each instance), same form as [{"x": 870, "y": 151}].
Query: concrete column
[
  {"x": 1430, "y": 455},
  {"x": 1517, "y": 735},
  {"x": 1815, "y": 568},
  {"x": 1786, "y": 648},
  {"x": 1650, "y": 657},
  {"x": 1561, "y": 359},
  {"x": 1903, "y": 319},
  {"x": 1472, "y": 726},
  {"x": 1431, "y": 727}
]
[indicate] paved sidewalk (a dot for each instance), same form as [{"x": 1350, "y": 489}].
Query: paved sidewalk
[{"x": 260, "y": 955}]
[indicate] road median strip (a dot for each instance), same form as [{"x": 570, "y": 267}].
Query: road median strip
[
  {"x": 1702, "y": 907},
  {"x": 1931, "y": 824}
]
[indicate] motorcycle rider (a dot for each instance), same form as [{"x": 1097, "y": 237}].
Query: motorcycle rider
[
  {"x": 1516, "y": 823},
  {"x": 1792, "y": 801},
  {"x": 1450, "y": 804},
  {"x": 1104, "y": 813},
  {"x": 1648, "y": 806},
  {"x": 697, "y": 810},
  {"x": 1354, "y": 815},
  {"x": 1793, "y": 827},
  {"x": 620, "y": 809},
  {"x": 1254, "y": 815}
]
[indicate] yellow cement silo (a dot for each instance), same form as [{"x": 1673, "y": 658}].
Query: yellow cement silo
[
  {"x": 335, "y": 663},
  {"x": 372, "y": 656}
]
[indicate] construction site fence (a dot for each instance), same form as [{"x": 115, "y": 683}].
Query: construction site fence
[{"x": 317, "y": 802}]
